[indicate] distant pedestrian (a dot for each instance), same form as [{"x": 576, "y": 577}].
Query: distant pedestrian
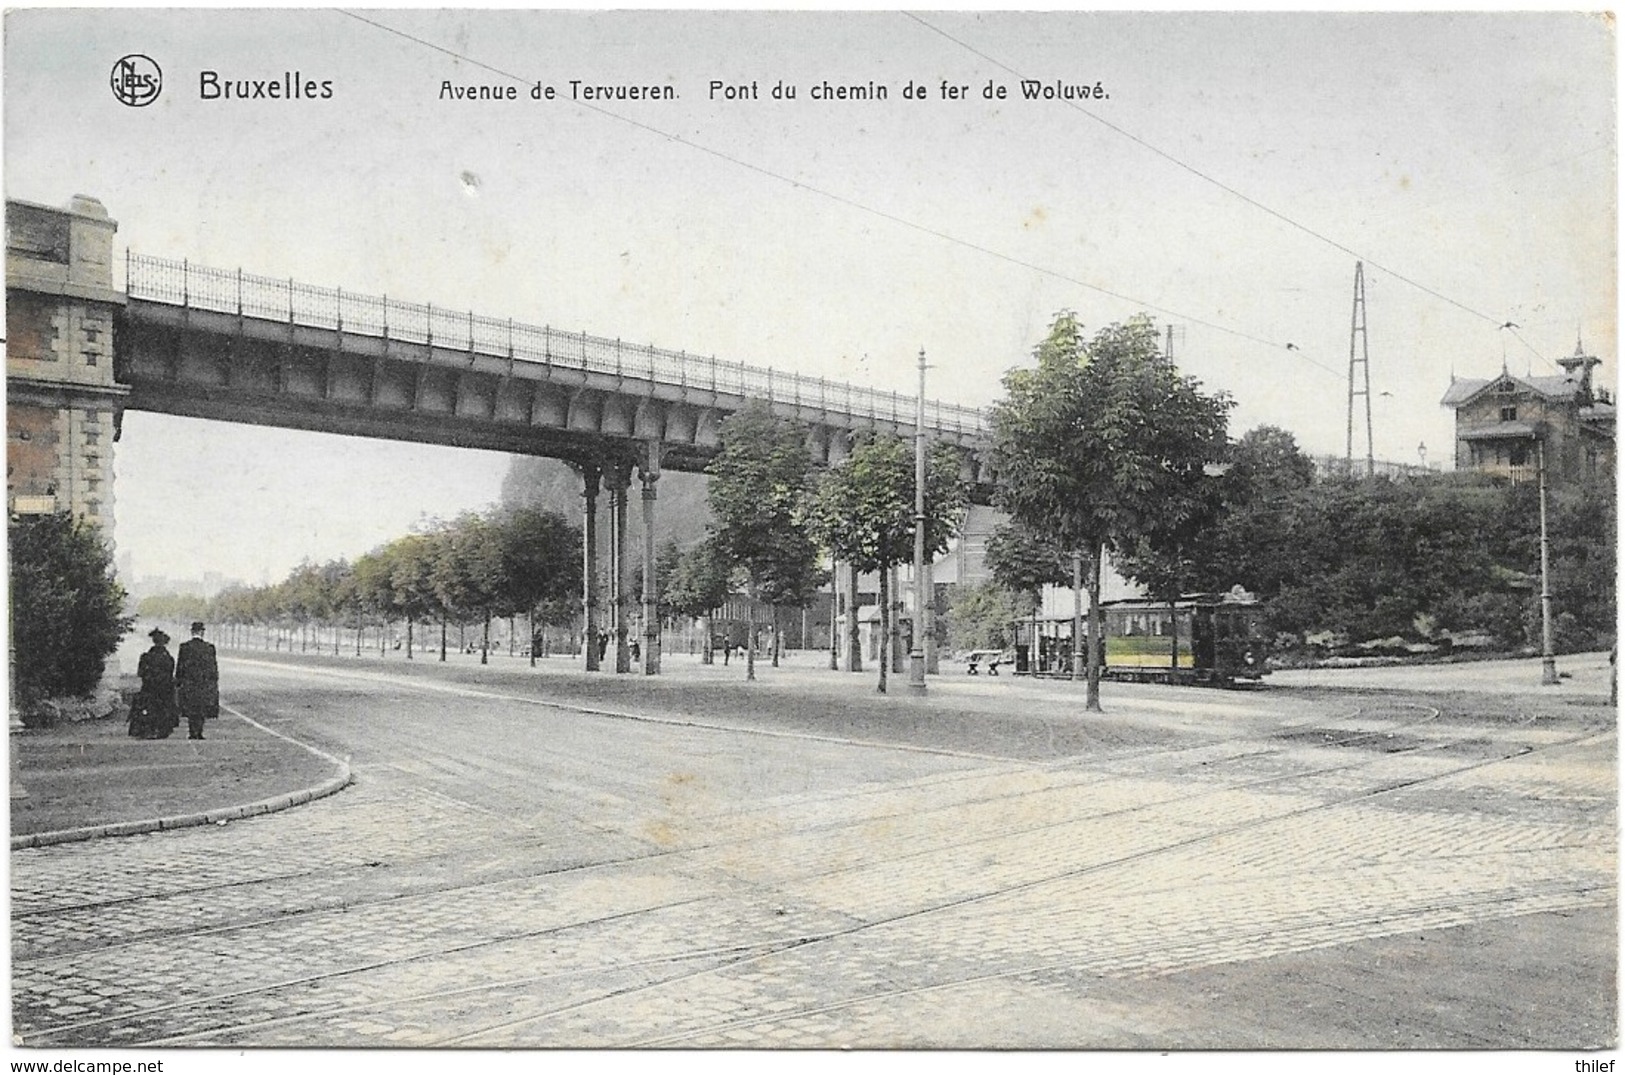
[
  {"x": 155, "y": 706},
  {"x": 197, "y": 682}
]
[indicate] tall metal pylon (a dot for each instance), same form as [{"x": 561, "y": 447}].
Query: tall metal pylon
[
  {"x": 1360, "y": 355},
  {"x": 1176, "y": 334}
]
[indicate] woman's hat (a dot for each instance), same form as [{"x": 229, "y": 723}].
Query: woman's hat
[{"x": 157, "y": 635}]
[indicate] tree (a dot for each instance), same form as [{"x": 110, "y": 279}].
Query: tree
[
  {"x": 233, "y": 607},
  {"x": 541, "y": 563},
  {"x": 1268, "y": 477},
  {"x": 699, "y": 585},
  {"x": 469, "y": 575},
  {"x": 758, "y": 490},
  {"x": 864, "y": 511},
  {"x": 980, "y": 617},
  {"x": 172, "y": 606},
  {"x": 1023, "y": 562},
  {"x": 67, "y": 610},
  {"x": 1096, "y": 446},
  {"x": 413, "y": 595},
  {"x": 1358, "y": 560},
  {"x": 338, "y": 597},
  {"x": 373, "y": 590},
  {"x": 1584, "y": 559}
]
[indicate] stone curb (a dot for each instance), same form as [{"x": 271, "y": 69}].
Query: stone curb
[{"x": 182, "y": 821}]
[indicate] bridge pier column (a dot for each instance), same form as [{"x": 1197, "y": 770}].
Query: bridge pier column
[
  {"x": 618, "y": 478},
  {"x": 650, "y": 474},
  {"x": 589, "y": 564}
]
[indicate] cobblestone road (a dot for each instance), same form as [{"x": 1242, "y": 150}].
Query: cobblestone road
[{"x": 547, "y": 878}]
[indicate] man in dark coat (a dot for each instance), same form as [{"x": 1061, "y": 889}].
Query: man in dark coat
[
  {"x": 197, "y": 682},
  {"x": 157, "y": 701}
]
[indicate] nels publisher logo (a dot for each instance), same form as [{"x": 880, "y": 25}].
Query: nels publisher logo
[{"x": 137, "y": 80}]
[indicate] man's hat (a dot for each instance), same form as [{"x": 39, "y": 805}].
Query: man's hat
[
  {"x": 197, "y": 627},
  {"x": 157, "y": 635}
]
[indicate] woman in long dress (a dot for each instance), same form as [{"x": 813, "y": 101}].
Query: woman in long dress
[{"x": 156, "y": 711}]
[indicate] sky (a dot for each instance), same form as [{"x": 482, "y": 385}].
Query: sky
[{"x": 1232, "y": 174}]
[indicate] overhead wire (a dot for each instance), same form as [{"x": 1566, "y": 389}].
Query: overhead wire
[
  {"x": 980, "y": 248},
  {"x": 1255, "y": 203},
  {"x": 1205, "y": 177},
  {"x": 861, "y": 207}
]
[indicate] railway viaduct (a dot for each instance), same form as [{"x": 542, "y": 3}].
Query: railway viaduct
[{"x": 188, "y": 340}]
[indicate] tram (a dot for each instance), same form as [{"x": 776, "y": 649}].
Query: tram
[{"x": 1204, "y": 639}]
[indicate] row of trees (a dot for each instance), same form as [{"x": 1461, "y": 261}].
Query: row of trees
[
  {"x": 471, "y": 570},
  {"x": 775, "y": 520}
]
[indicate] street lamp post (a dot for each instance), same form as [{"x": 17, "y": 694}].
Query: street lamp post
[
  {"x": 1548, "y": 659},
  {"x": 916, "y": 653}
]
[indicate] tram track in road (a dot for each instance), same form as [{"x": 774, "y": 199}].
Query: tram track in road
[
  {"x": 1144, "y": 952},
  {"x": 455, "y": 688},
  {"x": 714, "y": 1030},
  {"x": 1069, "y": 761},
  {"x": 1207, "y": 766},
  {"x": 717, "y": 956},
  {"x": 45, "y": 1035}
]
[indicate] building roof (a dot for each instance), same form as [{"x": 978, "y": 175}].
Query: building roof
[{"x": 1559, "y": 388}]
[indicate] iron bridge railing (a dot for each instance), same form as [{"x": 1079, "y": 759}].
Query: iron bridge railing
[{"x": 246, "y": 295}]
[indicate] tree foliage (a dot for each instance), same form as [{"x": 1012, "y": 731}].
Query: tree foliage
[
  {"x": 700, "y": 580},
  {"x": 1424, "y": 558},
  {"x": 67, "y": 609},
  {"x": 760, "y": 482},
  {"x": 478, "y": 566},
  {"x": 1104, "y": 445},
  {"x": 1420, "y": 558},
  {"x": 1098, "y": 444},
  {"x": 1024, "y": 561},
  {"x": 981, "y": 617},
  {"x": 864, "y": 512},
  {"x": 541, "y": 560},
  {"x": 177, "y": 607}
]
